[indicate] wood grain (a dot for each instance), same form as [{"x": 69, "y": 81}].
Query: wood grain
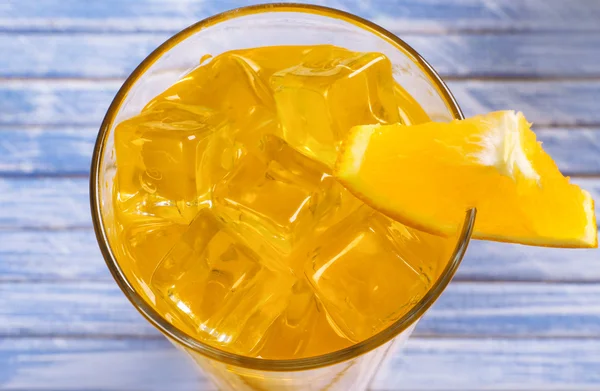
[
  {"x": 425, "y": 364},
  {"x": 452, "y": 55},
  {"x": 575, "y": 150},
  {"x": 481, "y": 310},
  {"x": 514, "y": 310},
  {"x": 497, "y": 364},
  {"x": 34, "y": 203},
  {"x": 55, "y": 102},
  {"x": 542, "y": 102},
  {"x": 84, "y": 102},
  {"x": 93, "y": 365},
  {"x": 396, "y": 15},
  {"x": 524, "y": 56},
  {"x": 59, "y": 255},
  {"x": 490, "y": 261},
  {"x": 69, "y": 309},
  {"x": 24, "y": 151},
  {"x": 43, "y": 151}
]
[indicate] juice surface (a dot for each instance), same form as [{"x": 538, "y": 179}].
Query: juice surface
[{"x": 230, "y": 223}]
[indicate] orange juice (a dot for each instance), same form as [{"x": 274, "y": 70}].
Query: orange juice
[{"x": 231, "y": 222}]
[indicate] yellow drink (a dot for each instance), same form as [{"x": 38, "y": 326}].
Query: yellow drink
[{"x": 228, "y": 217}]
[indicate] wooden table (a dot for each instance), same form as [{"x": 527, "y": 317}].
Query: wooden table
[{"x": 515, "y": 318}]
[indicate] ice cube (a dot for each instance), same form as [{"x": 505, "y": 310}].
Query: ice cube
[
  {"x": 364, "y": 278},
  {"x": 302, "y": 330},
  {"x": 427, "y": 253},
  {"x": 319, "y": 101},
  {"x": 229, "y": 144},
  {"x": 271, "y": 198},
  {"x": 338, "y": 203},
  {"x": 228, "y": 84},
  {"x": 157, "y": 154},
  {"x": 293, "y": 329},
  {"x": 270, "y": 59},
  {"x": 170, "y": 156},
  {"x": 220, "y": 288},
  {"x": 144, "y": 241}
]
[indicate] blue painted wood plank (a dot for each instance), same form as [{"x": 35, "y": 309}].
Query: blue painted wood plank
[
  {"x": 42, "y": 151},
  {"x": 474, "y": 365},
  {"x": 55, "y": 102},
  {"x": 68, "y": 151},
  {"x": 466, "y": 309},
  {"x": 44, "y": 203},
  {"x": 399, "y": 15},
  {"x": 75, "y": 55},
  {"x": 40, "y": 255},
  {"x": 69, "y": 309},
  {"x": 425, "y": 364},
  {"x": 452, "y": 55},
  {"x": 84, "y": 102},
  {"x": 514, "y": 310},
  {"x": 71, "y": 255},
  {"x": 510, "y": 55},
  {"x": 542, "y": 102},
  {"x": 63, "y": 202},
  {"x": 94, "y": 365},
  {"x": 491, "y": 261},
  {"x": 575, "y": 150}
]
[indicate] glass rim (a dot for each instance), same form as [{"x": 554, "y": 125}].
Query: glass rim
[{"x": 187, "y": 340}]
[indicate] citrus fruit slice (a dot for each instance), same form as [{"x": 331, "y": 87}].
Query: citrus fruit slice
[{"x": 428, "y": 175}]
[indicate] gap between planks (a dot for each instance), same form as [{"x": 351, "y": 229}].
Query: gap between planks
[
  {"x": 474, "y": 76},
  {"x": 432, "y": 15},
  {"x": 466, "y": 309},
  {"x": 424, "y": 364}
]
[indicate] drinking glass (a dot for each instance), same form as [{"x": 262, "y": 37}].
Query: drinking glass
[{"x": 266, "y": 25}]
